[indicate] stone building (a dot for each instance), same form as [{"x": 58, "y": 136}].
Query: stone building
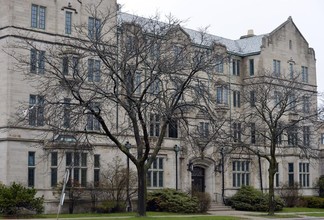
[{"x": 31, "y": 156}]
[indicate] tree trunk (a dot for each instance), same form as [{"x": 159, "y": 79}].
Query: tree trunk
[
  {"x": 141, "y": 194},
  {"x": 272, "y": 171}
]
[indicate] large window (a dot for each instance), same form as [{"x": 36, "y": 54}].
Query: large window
[
  {"x": 277, "y": 180},
  {"x": 96, "y": 171},
  {"x": 92, "y": 121},
  {"x": 236, "y": 66},
  {"x": 306, "y": 104},
  {"x": 237, "y": 132},
  {"x": 36, "y": 110},
  {"x": 236, "y": 99},
  {"x": 54, "y": 162},
  {"x": 291, "y": 177},
  {"x": 173, "y": 128},
  {"x": 253, "y": 133},
  {"x": 38, "y": 16},
  {"x": 203, "y": 129},
  {"x": 155, "y": 173},
  {"x": 94, "y": 28},
  {"x": 291, "y": 70},
  {"x": 241, "y": 173},
  {"x": 93, "y": 70},
  {"x": 77, "y": 163},
  {"x": 304, "y": 174},
  {"x": 138, "y": 83},
  {"x": 222, "y": 95},
  {"x": 31, "y": 169},
  {"x": 277, "y": 98},
  {"x": 66, "y": 113},
  {"x": 305, "y": 74},
  {"x": 68, "y": 22},
  {"x": 292, "y": 136},
  {"x": 219, "y": 66},
  {"x": 292, "y": 102},
  {"x": 154, "y": 125},
  {"x": 276, "y": 67},
  {"x": 252, "y": 98},
  {"x": 37, "y": 61}
]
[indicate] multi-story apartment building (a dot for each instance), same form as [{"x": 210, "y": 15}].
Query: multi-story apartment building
[{"x": 31, "y": 156}]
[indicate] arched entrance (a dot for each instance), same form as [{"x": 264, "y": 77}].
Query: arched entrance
[{"x": 198, "y": 179}]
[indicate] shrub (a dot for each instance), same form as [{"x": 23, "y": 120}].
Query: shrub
[
  {"x": 250, "y": 199},
  {"x": 320, "y": 185},
  {"x": 290, "y": 194},
  {"x": 312, "y": 202},
  {"x": 16, "y": 198},
  {"x": 170, "y": 200},
  {"x": 110, "y": 207},
  {"x": 204, "y": 201}
]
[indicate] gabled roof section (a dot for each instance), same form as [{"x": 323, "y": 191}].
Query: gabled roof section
[{"x": 284, "y": 24}]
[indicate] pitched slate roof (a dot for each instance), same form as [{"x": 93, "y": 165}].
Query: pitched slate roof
[{"x": 241, "y": 47}]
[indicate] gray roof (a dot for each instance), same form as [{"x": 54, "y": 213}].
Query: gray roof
[{"x": 241, "y": 47}]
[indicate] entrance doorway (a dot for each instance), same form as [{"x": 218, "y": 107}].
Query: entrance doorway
[{"x": 198, "y": 179}]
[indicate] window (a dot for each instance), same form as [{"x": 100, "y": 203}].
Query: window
[
  {"x": 291, "y": 70},
  {"x": 291, "y": 179},
  {"x": 155, "y": 87},
  {"x": 92, "y": 121},
  {"x": 241, "y": 173},
  {"x": 155, "y": 173},
  {"x": 155, "y": 51},
  {"x": 236, "y": 99},
  {"x": 322, "y": 138},
  {"x": 306, "y": 104},
  {"x": 252, "y": 98},
  {"x": 203, "y": 129},
  {"x": 93, "y": 70},
  {"x": 77, "y": 163},
  {"x": 36, "y": 110},
  {"x": 96, "y": 171},
  {"x": 292, "y": 102},
  {"x": 178, "y": 54},
  {"x": 276, "y": 67},
  {"x": 306, "y": 136},
  {"x": 292, "y": 136},
  {"x": 66, "y": 113},
  {"x": 279, "y": 134},
  {"x": 219, "y": 67},
  {"x": 54, "y": 163},
  {"x": 65, "y": 64},
  {"x": 237, "y": 131},
  {"x": 173, "y": 128},
  {"x": 236, "y": 67},
  {"x": 253, "y": 131},
  {"x": 304, "y": 174},
  {"x": 31, "y": 169},
  {"x": 277, "y": 99},
  {"x": 68, "y": 22},
  {"x": 251, "y": 67},
  {"x": 154, "y": 125},
  {"x": 38, "y": 14},
  {"x": 304, "y": 74},
  {"x": 37, "y": 61},
  {"x": 94, "y": 28},
  {"x": 290, "y": 44},
  {"x": 222, "y": 95},
  {"x": 138, "y": 83}
]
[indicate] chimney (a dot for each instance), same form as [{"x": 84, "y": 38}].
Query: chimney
[{"x": 250, "y": 33}]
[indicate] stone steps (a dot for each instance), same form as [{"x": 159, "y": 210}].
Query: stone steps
[{"x": 214, "y": 207}]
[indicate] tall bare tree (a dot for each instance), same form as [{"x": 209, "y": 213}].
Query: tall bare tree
[
  {"x": 121, "y": 78},
  {"x": 278, "y": 118}
]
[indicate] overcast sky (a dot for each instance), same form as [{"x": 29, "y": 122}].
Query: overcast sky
[{"x": 232, "y": 18}]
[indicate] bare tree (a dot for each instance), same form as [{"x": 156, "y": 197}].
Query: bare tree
[
  {"x": 123, "y": 78},
  {"x": 278, "y": 118}
]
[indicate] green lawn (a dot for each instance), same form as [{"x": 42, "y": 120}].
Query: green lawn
[{"x": 301, "y": 209}]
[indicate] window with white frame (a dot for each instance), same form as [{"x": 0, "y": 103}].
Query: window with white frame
[
  {"x": 304, "y": 74},
  {"x": 306, "y": 136},
  {"x": 219, "y": 65},
  {"x": 77, "y": 163},
  {"x": 68, "y": 22},
  {"x": 304, "y": 174},
  {"x": 31, "y": 169},
  {"x": 36, "y": 110},
  {"x": 155, "y": 173},
  {"x": 94, "y": 28},
  {"x": 236, "y": 66},
  {"x": 291, "y": 70},
  {"x": 154, "y": 124},
  {"x": 222, "y": 95},
  {"x": 37, "y": 61},
  {"x": 236, "y": 99},
  {"x": 54, "y": 162},
  {"x": 94, "y": 70},
  {"x": 276, "y": 67},
  {"x": 38, "y": 16},
  {"x": 241, "y": 173}
]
